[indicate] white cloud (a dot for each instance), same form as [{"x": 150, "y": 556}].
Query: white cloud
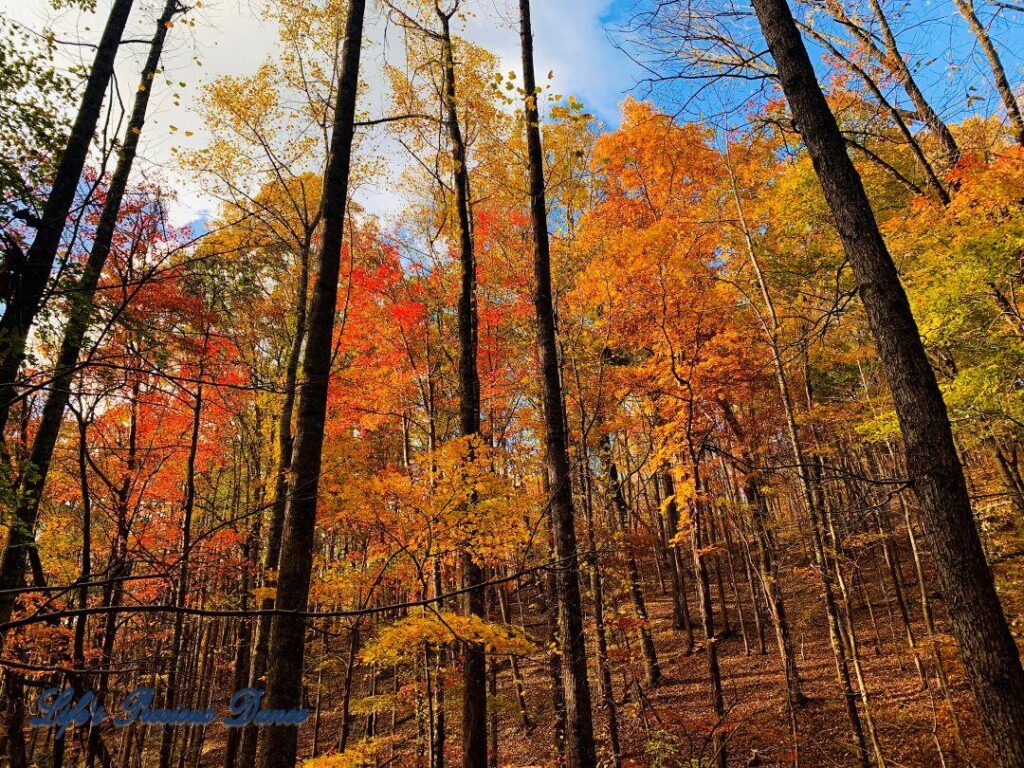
[{"x": 229, "y": 38}]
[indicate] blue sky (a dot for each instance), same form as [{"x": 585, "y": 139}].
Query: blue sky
[{"x": 943, "y": 53}]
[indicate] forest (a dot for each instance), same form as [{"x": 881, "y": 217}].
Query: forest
[{"x": 689, "y": 437}]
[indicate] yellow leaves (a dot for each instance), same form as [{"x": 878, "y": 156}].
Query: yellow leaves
[
  {"x": 264, "y": 593},
  {"x": 371, "y": 704},
  {"x": 362, "y": 754},
  {"x": 667, "y": 503},
  {"x": 679, "y": 540},
  {"x": 403, "y": 640}
]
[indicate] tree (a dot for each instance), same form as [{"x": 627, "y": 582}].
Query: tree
[
  {"x": 33, "y": 276},
  {"x": 287, "y": 634},
  {"x": 989, "y": 652},
  {"x": 579, "y": 718},
  {"x": 81, "y": 312}
]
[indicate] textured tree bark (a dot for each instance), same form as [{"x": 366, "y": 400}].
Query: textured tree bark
[
  {"x": 680, "y": 604},
  {"x": 174, "y": 674},
  {"x": 580, "y": 752},
  {"x": 474, "y": 669},
  {"x": 989, "y": 652},
  {"x": 27, "y": 296},
  {"x": 272, "y": 548},
  {"x": 288, "y": 630}
]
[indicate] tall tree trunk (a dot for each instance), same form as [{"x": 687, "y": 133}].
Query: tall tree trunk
[
  {"x": 27, "y": 297},
  {"x": 288, "y": 630},
  {"x": 174, "y": 673},
  {"x": 580, "y": 750},
  {"x": 24, "y": 304},
  {"x": 346, "y": 691},
  {"x": 700, "y": 571},
  {"x": 680, "y": 604},
  {"x": 474, "y": 669},
  {"x": 851, "y": 634},
  {"x": 242, "y": 651},
  {"x": 989, "y": 652},
  {"x": 651, "y": 666},
  {"x": 604, "y": 666},
  {"x": 517, "y": 675},
  {"x": 272, "y": 547},
  {"x": 764, "y": 543},
  {"x": 81, "y": 623},
  {"x": 118, "y": 567},
  {"x": 79, "y": 319}
]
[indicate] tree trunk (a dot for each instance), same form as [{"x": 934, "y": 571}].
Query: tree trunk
[
  {"x": 27, "y": 297},
  {"x": 604, "y": 667},
  {"x": 22, "y": 534},
  {"x": 989, "y": 652},
  {"x": 651, "y": 666},
  {"x": 680, "y": 604},
  {"x": 700, "y": 571},
  {"x": 765, "y": 547},
  {"x": 174, "y": 674},
  {"x": 14, "y": 693},
  {"x": 346, "y": 691},
  {"x": 272, "y": 549},
  {"x": 580, "y": 750},
  {"x": 474, "y": 669},
  {"x": 242, "y": 651},
  {"x": 288, "y": 631}
]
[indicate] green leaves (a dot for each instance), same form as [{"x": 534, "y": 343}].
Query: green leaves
[{"x": 34, "y": 121}]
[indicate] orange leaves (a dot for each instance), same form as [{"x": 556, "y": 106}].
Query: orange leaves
[
  {"x": 409, "y": 315},
  {"x": 653, "y": 167},
  {"x": 655, "y": 284}
]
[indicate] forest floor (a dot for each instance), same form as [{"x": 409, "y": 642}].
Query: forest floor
[{"x": 668, "y": 725}]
